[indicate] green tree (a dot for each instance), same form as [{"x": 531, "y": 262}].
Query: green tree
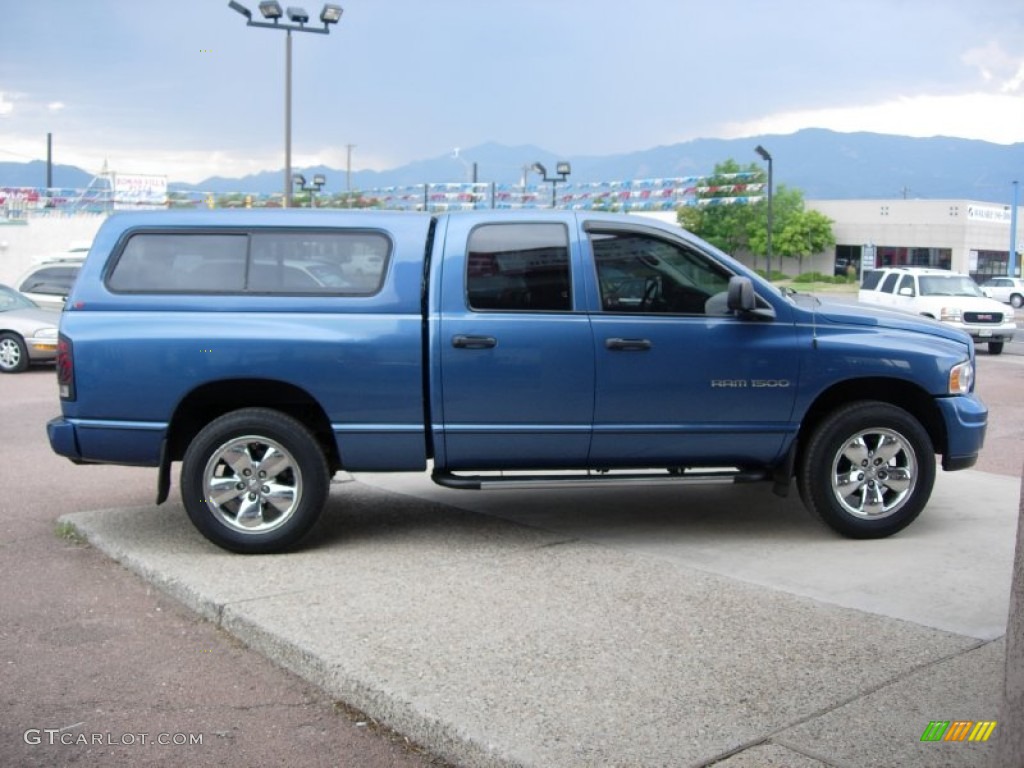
[
  {"x": 739, "y": 227},
  {"x": 796, "y": 232},
  {"x": 726, "y": 226}
]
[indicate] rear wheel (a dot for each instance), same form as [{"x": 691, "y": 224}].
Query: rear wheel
[
  {"x": 13, "y": 353},
  {"x": 995, "y": 347},
  {"x": 868, "y": 470},
  {"x": 254, "y": 481},
  {"x": 1017, "y": 301}
]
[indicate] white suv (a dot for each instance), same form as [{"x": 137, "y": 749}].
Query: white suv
[
  {"x": 48, "y": 281},
  {"x": 950, "y": 297}
]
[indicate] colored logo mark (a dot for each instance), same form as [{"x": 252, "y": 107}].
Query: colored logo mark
[{"x": 958, "y": 730}]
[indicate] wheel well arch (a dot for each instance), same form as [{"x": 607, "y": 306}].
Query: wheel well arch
[
  {"x": 910, "y": 397},
  {"x": 213, "y": 399}
]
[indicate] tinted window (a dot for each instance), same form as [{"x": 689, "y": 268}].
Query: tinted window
[
  {"x": 318, "y": 262},
  {"x": 871, "y": 279},
  {"x": 52, "y": 281},
  {"x": 336, "y": 263},
  {"x": 181, "y": 263},
  {"x": 639, "y": 273},
  {"x": 890, "y": 283},
  {"x": 518, "y": 267}
]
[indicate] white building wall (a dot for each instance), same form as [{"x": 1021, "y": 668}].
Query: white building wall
[
  {"x": 963, "y": 226},
  {"x": 37, "y": 236}
]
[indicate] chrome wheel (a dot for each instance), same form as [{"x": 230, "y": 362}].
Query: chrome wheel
[
  {"x": 867, "y": 469},
  {"x": 874, "y": 473},
  {"x": 252, "y": 484}
]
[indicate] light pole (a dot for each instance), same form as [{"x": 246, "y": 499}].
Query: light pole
[
  {"x": 1011, "y": 265},
  {"x": 315, "y": 186},
  {"x": 271, "y": 9},
  {"x": 768, "y": 249},
  {"x": 563, "y": 169}
]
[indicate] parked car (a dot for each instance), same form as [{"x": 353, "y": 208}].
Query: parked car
[
  {"x": 949, "y": 297},
  {"x": 1009, "y": 290},
  {"x": 48, "y": 282},
  {"x": 28, "y": 334}
]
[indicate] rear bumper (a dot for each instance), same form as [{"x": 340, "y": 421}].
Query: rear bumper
[
  {"x": 966, "y": 419},
  {"x": 108, "y": 442}
]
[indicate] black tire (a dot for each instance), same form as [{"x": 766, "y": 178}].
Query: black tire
[
  {"x": 995, "y": 347},
  {"x": 874, "y": 499},
  {"x": 233, "y": 504},
  {"x": 13, "y": 353}
]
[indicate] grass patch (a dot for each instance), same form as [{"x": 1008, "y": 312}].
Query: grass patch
[{"x": 67, "y": 532}]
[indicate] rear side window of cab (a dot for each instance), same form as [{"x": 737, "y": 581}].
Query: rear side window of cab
[{"x": 292, "y": 262}]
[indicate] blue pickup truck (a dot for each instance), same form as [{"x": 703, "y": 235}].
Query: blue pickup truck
[{"x": 267, "y": 350}]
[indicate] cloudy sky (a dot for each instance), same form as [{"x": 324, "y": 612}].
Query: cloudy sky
[{"x": 183, "y": 88}]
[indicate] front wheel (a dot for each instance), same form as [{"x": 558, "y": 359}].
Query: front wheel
[
  {"x": 13, "y": 353},
  {"x": 254, "y": 481},
  {"x": 995, "y": 347},
  {"x": 868, "y": 470},
  {"x": 1017, "y": 301}
]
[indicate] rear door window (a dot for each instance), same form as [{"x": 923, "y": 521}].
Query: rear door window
[{"x": 519, "y": 267}]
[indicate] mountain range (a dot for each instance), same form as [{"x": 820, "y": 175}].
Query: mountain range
[{"x": 823, "y": 164}]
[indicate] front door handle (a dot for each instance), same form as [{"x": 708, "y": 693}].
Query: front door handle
[
  {"x": 627, "y": 345},
  {"x": 474, "y": 342}
]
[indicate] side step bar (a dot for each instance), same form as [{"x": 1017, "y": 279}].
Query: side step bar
[{"x": 593, "y": 480}]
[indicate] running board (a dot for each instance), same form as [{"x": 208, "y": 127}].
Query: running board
[{"x": 593, "y": 480}]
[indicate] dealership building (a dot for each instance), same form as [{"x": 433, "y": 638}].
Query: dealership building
[{"x": 961, "y": 235}]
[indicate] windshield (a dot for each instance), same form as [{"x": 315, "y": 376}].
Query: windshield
[
  {"x": 11, "y": 299},
  {"x": 954, "y": 285}
]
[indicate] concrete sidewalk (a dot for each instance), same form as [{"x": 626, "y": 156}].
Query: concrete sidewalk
[{"x": 608, "y": 627}]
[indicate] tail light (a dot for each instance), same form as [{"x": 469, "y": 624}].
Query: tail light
[{"x": 65, "y": 368}]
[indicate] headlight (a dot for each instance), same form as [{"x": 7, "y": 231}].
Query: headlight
[
  {"x": 46, "y": 333},
  {"x": 950, "y": 314},
  {"x": 961, "y": 378}
]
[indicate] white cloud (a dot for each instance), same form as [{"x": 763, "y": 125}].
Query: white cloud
[
  {"x": 6, "y": 107},
  {"x": 994, "y": 117},
  {"x": 995, "y": 65},
  {"x": 55, "y": 106}
]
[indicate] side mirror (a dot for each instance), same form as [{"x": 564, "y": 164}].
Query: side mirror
[
  {"x": 741, "y": 294},
  {"x": 906, "y": 291}
]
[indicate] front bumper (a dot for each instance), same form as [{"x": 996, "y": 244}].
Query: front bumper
[
  {"x": 966, "y": 419},
  {"x": 985, "y": 333},
  {"x": 41, "y": 349}
]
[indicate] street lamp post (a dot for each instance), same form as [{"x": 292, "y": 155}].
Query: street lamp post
[
  {"x": 563, "y": 169},
  {"x": 768, "y": 248},
  {"x": 271, "y": 10},
  {"x": 314, "y": 186},
  {"x": 1011, "y": 265}
]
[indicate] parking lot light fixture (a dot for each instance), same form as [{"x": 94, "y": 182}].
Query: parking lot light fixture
[
  {"x": 271, "y": 9},
  {"x": 562, "y": 169},
  {"x": 331, "y": 14},
  {"x": 241, "y": 9},
  {"x": 768, "y": 246}
]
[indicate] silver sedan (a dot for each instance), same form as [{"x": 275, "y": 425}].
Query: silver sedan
[{"x": 28, "y": 334}]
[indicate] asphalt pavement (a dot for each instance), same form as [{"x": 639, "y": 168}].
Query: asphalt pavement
[{"x": 715, "y": 625}]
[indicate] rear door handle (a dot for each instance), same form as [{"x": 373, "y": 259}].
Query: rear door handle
[
  {"x": 474, "y": 342},
  {"x": 627, "y": 345}
]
